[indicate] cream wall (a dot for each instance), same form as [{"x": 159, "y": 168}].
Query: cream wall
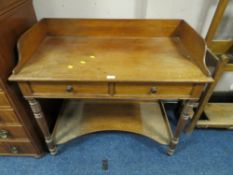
[{"x": 198, "y": 13}]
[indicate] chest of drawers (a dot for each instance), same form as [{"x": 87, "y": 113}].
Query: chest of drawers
[{"x": 18, "y": 133}]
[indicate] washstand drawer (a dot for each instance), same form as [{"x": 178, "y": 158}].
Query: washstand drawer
[
  {"x": 7, "y": 115},
  {"x": 69, "y": 88},
  {"x": 11, "y": 132},
  {"x": 3, "y": 100},
  {"x": 150, "y": 89},
  {"x": 16, "y": 148}
]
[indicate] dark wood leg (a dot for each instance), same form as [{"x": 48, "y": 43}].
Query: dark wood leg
[
  {"x": 39, "y": 116},
  {"x": 186, "y": 113}
]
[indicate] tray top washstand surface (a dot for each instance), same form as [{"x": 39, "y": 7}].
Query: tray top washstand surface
[{"x": 124, "y": 50}]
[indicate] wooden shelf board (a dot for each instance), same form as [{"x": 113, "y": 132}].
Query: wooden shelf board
[
  {"x": 79, "y": 118},
  {"x": 220, "y": 115}
]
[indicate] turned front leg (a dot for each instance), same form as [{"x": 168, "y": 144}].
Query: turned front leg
[
  {"x": 186, "y": 113},
  {"x": 41, "y": 121}
]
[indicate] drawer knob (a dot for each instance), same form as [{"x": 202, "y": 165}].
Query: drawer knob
[
  {"x": 4, "y": 134},
  {"x": 69, "y": 88},
  {"x": 153, "y": 90},
  {"x": 14, "y": 150}
]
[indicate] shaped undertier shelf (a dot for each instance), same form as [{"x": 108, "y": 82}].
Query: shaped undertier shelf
[{"x": 78, "y": 118}]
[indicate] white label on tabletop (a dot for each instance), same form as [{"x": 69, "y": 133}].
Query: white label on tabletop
[{"x": 111, "y": 77}]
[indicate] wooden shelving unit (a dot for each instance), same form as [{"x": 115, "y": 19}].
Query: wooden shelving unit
[{"x": 216, "y": 115}]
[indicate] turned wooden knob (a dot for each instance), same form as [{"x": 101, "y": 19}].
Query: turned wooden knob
[
  {"x": 69, "y": 88},
  {"x": 153, "y": 90},
  {"x": 14, "y": 150},
  {"x": 4, "y": 134}
]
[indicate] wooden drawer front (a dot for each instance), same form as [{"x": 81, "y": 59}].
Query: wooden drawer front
[
  {"x": 16, "y": 148},
  {"x": 3, "y": 100},
  {"x": 69, "y": 88},
  {"x": 12, "y": 132},
  {"x": 8, "y": 116},
  {"x": 153, "y": 89}
]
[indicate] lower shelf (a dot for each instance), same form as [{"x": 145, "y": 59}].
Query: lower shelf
[
  {"x": 220, "y": 115},
  {"x": 83, "y": 117}
]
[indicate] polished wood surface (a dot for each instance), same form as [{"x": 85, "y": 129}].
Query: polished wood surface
[
  {"x": 63, "y": 88},
  {"x": 147, "y": 89},
  {"x": 140, "y": 118},
  {"x": 17, "y": 127},
  {"x": 41, "y": 121},
  {"x": 17, "y": 149},
  {"x": 221, "y": 46},
  {"x": 228, "y": 67},
  {"x": 111, "y": 90},
  {"x": 126, "y": 59},
  {"x": 3, "y": 100},
  {"x": 12, "y": 132},
  {"x": 186, "y": 113},
  {"x": 8, "y": 5},
  {"x": 7, "y": 115}
]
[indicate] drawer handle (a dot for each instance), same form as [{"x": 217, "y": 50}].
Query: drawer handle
[
  {"x": 14, "y": 150},
  {"x": 69, "y": 88},
  {"x": 4, "y": 134},
  {"x": 153, "y": 90}
]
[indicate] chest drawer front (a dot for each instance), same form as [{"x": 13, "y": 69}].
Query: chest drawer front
[
  {"x": 12, "y": 132},
  {"x": 8, "y": 116},
  {"x": 69, "y": 88},
  {"x": 16, "y": 148},
  {"x": 150, "y": 89},
  {"x": 3, "y": 100}
]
